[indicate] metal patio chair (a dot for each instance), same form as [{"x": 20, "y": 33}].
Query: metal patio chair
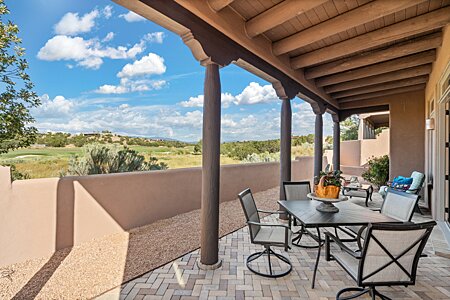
[
  {"x": 298, "y": 190},
  {"x": 389, "y": 257},
  {"x": 397, "y": 205},
  {"x": 267, "y": 235}
]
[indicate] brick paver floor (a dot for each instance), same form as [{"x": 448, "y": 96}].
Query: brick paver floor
[{"x": 182, "y": 279}]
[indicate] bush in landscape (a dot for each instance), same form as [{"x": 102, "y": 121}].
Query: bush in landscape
[
  {"x": 378, "y": 170},
  {"x": 262, "y": 157},
  {"x": 106, "y": 159}
]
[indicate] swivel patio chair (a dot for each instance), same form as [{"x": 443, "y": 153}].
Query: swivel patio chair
[
  {"x": 267, "y": 235},
  {"x": 298, "y": 190},
  {"x": 389, "y": 257},
  {"x": 397, "y": 205}
]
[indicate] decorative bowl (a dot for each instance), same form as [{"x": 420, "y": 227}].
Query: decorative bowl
[{"x": 327, "y": 203}]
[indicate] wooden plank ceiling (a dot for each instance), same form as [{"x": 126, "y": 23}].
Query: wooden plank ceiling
[{"x": 352, "y": 49}]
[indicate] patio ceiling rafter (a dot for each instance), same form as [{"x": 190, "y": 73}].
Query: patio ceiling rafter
[
  {"x": 377, "y": 94},
  {"x": 358, "y": 16},
  {"x": 408, "y": 47},
  {"x": 408, "y": 28},
  {"x": 382, "y": 86},
  {"x": 409, "y": 61}
]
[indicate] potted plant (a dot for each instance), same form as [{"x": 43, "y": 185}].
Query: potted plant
[{"x": 329, "y": 184}]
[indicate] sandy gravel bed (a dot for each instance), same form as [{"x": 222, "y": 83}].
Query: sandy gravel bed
[{"x": 92, "y": 268}]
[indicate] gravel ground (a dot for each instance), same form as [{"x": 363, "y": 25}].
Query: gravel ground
[{"x": 87, "y": 270}]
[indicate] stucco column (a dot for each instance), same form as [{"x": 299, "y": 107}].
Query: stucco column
[
  {"x": 336, "y": 145},
  {"x": 210, "y": 170},
  {"x": 318, "y": 144},
  {"x": 285, "y": 145}
]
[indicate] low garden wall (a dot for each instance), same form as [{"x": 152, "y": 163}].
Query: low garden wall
[{"x": 39, "y": 216}]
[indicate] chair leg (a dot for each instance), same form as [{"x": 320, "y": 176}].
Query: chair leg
[
  {"x": 359, "y": 292},
  {"x": 270, "y": 254}
]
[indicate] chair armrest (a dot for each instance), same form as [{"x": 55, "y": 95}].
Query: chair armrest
[
  {"x": 340, "y": 244},
  {"x": 272, "y": 211},
  {"x": 267, "y": 224},
  {"x": 286, "y": 231}
]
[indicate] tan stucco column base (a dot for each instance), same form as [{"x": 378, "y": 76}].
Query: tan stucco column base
[{"x": 209, "y": 267}]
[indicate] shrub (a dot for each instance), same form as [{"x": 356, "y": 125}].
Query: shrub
[
  {"x": 378, "y": 170},
  {"x": 262, "y": 157},
  {"x": 105, "y": 159}
]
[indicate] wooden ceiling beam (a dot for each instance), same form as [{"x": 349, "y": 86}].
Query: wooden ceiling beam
[
  {"x": 409, "y": 47},
  {"x": 355, "y": 17},
  {"x": 423, "y": 23},
  {"x": 383, "y": 93},
  {"x": 382, "y": 87},
  {"x": 278, "y": 14},
  {"x": 391, "y": 76},
  {"x": 381, "y": 68},
  {"x": 218, "y": 5}
]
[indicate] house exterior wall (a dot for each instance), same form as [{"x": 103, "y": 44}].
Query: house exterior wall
[
  {"x": 435, "y": 109},
  {"x": 407, "y": 133},
  {"x": 39, "y": 216}
]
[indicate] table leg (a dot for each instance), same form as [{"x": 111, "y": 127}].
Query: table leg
[{"x": 317, "y": 259}]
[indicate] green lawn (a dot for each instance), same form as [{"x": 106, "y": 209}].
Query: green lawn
[{"x": 52, "y": 162}]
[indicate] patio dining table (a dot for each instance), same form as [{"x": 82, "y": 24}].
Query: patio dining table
[{"x": 349, "y": 214}]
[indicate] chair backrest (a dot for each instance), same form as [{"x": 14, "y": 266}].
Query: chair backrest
[
  {"x": 416, "y": 185},
  {"x": 391, "y": 253},
  {"x": 399, "y": 205},
  {"x": 250, "y": 211},
  {"x": 296, "y": 190}
]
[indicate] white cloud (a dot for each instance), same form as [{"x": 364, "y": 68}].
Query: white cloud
[
  {"x": 107, "y": 11},
  {"x": 134, "y": 76},
  {"x": 255, "y": 93},
  {"x": 108, "y": 37},
  {"x": 72, "y": 23},
  {"x": 147, "y": 65},
  {"x": 132, "y": 17},
  {"x": 112, "y": 89},
  {"x": 226, "y": 99},
  {"x": 88, "y": 53},
  {"x": 154, "y": 37},
  {"x": 127, "y": 86},
  {"x": 53, "y": 108},
  {"x": 252, "y": 94}
]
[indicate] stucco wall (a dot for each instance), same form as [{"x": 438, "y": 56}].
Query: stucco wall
[
  {"x": 407, "y": 133},
  {"x": 39, "y": 216},
  {"x": 439, "y": 65},
  {"x": 356, "y": 153}
]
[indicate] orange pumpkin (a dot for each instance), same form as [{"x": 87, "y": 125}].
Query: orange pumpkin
[{"x": 330, "y": 191}]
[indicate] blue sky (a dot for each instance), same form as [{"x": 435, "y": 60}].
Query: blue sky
[{"x": 96, "y": 66}]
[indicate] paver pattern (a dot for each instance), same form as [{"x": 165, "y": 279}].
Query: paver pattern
[{"x": 182, "y": 279}]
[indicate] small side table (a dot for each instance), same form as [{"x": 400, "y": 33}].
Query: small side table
[{"x": 362, "y": 191}]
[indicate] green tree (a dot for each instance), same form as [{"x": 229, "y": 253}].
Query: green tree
[
  {"x": 17, "y": 95},
  {"x": 58, "y": 139},
  {"x": 349, "y": 128}
]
